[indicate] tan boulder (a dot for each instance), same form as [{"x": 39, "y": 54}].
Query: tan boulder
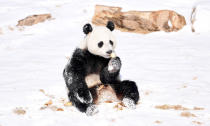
[
  {"x": 33, "y": 19},
  {"x": 1, "y": 31},
  {"x": 139, "y": 21}
]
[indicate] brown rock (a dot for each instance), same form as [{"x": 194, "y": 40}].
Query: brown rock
[
  {"x": 10, "y": 28},
  {"x": 59, "y": 109},
  {"x": 198, "y": 108},
  {"x": 197, "y": 122},
  {"x": 158, "y": 122},
  {"x": 167, "y": 107},
  {"x": 33, "y": 19},
  {"x": 187, "y": 114},
  {"x": 119, "y": 106},
  {"x": 192, "y": 18},
  {"x": 1, "y": 32},
  {"x": 68, "y": 104},
  {"x": 19, "y": 111},
  {"x": 139, "y": 21},
  {"x": 48, "y": 103}
]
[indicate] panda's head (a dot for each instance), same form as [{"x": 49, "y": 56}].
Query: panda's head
[{"x": 99, "y": 40}]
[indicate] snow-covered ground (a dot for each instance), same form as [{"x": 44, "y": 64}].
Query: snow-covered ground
[{"x": 169, "y": 68}]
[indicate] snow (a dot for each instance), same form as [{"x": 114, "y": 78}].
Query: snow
[
  {"x": 202, "y": 16},
  {"x": 169, "y": 68}
]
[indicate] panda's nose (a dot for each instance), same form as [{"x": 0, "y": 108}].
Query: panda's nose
[{"x": 109, "y": 52}]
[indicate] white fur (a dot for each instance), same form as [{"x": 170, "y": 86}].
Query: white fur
[
  {"x": 92, "y": 80},
  {"x": 99, "y": 33},
  {"x": 83, "y": 44},
  {"x": 110, "y": 68}
]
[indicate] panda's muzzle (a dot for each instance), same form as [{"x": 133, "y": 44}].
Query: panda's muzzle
[{"x": 109, "y": 52}]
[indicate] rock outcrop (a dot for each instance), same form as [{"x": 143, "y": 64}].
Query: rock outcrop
[
  {"x": 34, "y": 19},
  {"x": 139, "y": 21}
]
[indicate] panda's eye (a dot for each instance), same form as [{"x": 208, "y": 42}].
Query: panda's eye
[
  {"x": 110, "y": 41},
  {"x": 100, "y": 44}
]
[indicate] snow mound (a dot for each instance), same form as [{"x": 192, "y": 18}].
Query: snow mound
[{"x": 202, "y": 16}]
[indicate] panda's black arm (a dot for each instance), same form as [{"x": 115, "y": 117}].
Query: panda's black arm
[
  {"x": 107, "y": 76},
  {"x": 74, "y": 75}
]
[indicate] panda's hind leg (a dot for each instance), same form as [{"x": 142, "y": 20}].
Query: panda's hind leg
[
  {"x": 88, "y": 108},
  {"x": 128, "y": 92}
]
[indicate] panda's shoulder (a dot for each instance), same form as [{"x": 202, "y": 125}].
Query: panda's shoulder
[{"x": 79, "y": 53}]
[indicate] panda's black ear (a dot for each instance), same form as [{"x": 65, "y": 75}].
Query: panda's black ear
[
  {"x": 87, "y": 28},
  {"x": 110, "y": 25}
]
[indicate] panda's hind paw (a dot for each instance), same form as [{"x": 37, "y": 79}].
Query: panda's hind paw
[
  {"x": 129, "y": 103},
  {"x": 91, "y": 110}
]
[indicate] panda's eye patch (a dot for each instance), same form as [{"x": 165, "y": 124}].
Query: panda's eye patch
[
  {"x": 100, "y": 44},
  {"x": 110, "y": 41}
]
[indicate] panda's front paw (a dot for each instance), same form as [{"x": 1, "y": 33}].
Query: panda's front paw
[{"x": 114, "y": 65}]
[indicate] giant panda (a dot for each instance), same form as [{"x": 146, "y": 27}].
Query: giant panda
[{"x": 91, "y": 67}]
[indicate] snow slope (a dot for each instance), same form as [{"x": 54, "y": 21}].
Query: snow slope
[{"x": 169, "y": 68}]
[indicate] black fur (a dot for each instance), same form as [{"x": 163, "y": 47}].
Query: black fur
[
  {"x": 127, "y": 89},
  {"x": 87, "y": 28},
  {"x": 84, "y": 63},
  {"x": 110, "y": 25}
]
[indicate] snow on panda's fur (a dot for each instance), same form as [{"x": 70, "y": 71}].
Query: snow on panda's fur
[{"x": 91, "y": 66}]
